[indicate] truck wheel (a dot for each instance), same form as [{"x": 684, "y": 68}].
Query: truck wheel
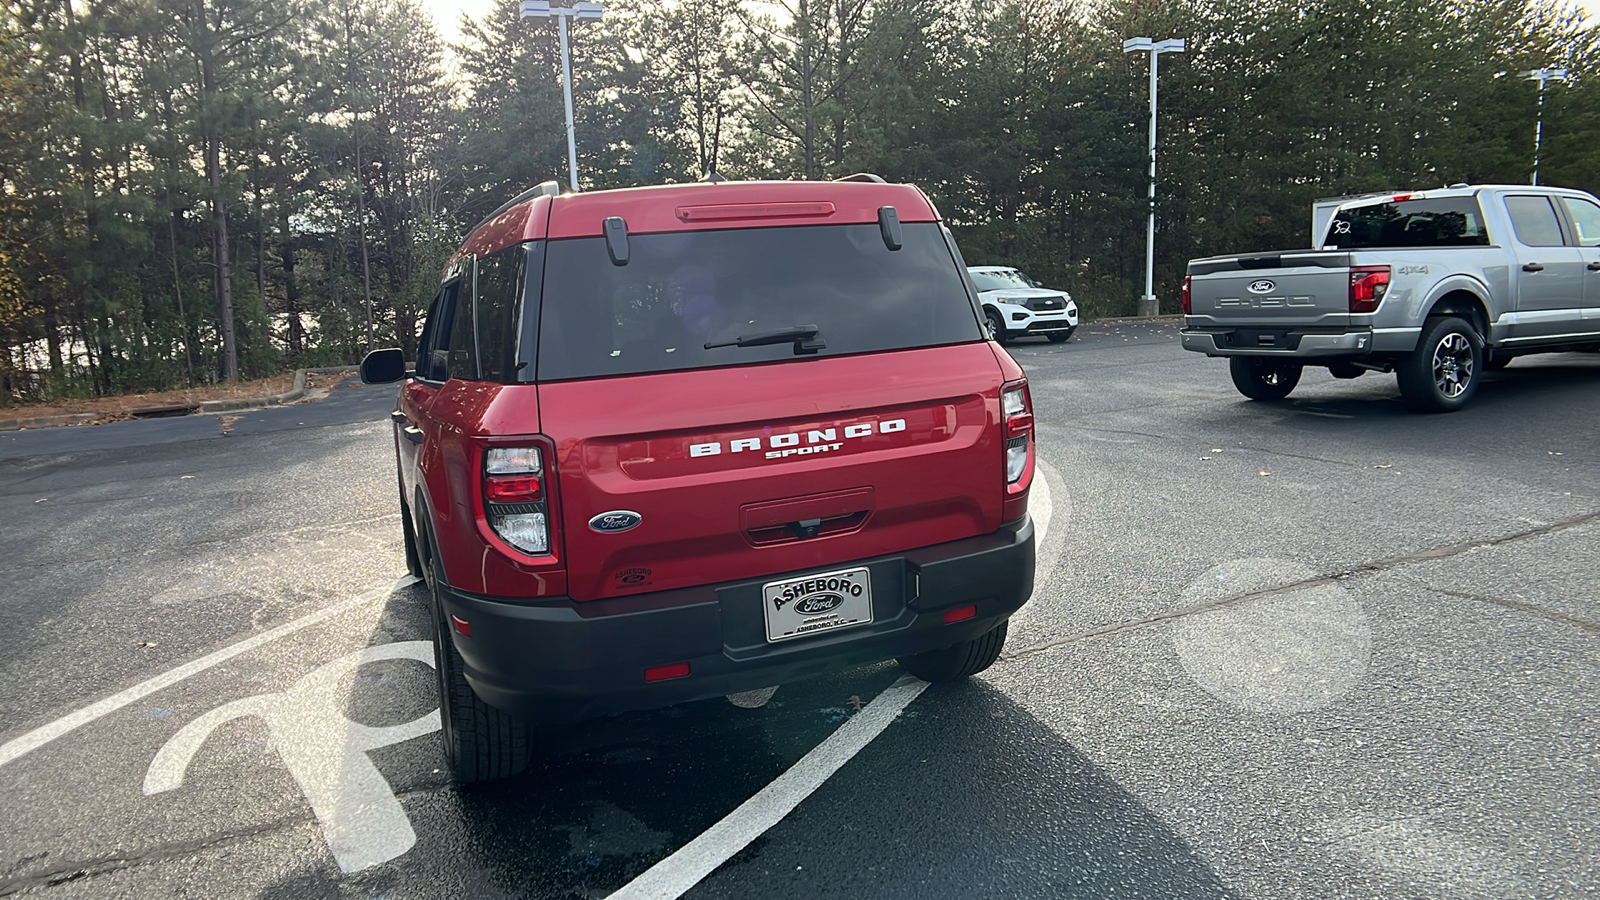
[
  {"x": 413, "y": 556},
  {"x": 1260, "y": 378},
  {"x": 995, "y": 326},
  {"x": 481, "y": 743},
  {"x": 1442, "y": 374},
  {"x": 957, "y": 661}
]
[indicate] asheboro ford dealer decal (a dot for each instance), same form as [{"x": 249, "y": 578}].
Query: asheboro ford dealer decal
[{"x": 815, "y": 440}]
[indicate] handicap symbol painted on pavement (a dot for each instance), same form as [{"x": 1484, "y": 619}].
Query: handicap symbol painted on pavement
[{"x": 361, "y": 818}]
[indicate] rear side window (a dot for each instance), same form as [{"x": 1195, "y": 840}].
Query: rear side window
[
  {"x": 499, "y": 302},
  {"x": 682, "y": 290},
  {"x": 1585, "y": 215},
  {"x": 1444, "y": 222},
  {"x": 1534, "y": 220},
  {"x": 462, "y": 342}
]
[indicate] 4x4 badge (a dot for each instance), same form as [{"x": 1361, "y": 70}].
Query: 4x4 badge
[{"x": 615, "y": 520}]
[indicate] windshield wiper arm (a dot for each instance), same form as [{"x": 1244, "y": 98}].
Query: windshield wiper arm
[{"x": 804, "y": 337}]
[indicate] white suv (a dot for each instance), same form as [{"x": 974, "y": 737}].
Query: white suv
[{"x": 1015, "y": 305}]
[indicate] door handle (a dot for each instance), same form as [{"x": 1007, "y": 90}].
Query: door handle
[
  {"x": 1595, "y": 266},
  {"x": 398, "y": 417},
  {"x": 412, "y": 433},
  {"x": 1532, "y": 267}
]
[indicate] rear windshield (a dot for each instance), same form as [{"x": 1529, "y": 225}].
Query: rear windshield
[
  {"x": 1445, "y": 222},
  {"x": 683, "y": 290}
]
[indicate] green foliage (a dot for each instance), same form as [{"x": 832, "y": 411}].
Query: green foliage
[{"x": 176, "y": 171}]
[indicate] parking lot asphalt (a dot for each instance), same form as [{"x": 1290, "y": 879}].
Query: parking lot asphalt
[{"x": 1322, "y": 648}]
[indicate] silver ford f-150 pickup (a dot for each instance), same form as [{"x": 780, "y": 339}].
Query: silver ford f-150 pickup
[{"x": 1435, "y": 286}]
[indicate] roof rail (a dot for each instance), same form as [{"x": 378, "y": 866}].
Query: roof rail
[
  {"x": 867, "y": 177},
  {"x": 542, "y": 189}
]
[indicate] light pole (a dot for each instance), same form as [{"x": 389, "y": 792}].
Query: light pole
[
  {"x": 1148, "y": 305},
  {"x": 1541, "y": 76},
  {"x": 542, "y": 9}
]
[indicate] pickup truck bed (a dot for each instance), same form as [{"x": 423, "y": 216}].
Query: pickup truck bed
[{"x": 1434, "y": 287}]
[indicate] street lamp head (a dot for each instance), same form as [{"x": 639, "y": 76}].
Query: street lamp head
[
  {"x": 1543, "y": 75},
  {"x": 1171, "y": 45},
  {"x": 541, "y": 9}
]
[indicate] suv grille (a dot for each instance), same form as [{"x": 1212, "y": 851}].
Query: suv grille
[{"x": 1056, "y": 302}]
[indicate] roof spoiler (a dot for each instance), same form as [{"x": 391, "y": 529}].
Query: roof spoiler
[
  {"x": 542, "y": 189},
  {"x": 867, "y": 177}
]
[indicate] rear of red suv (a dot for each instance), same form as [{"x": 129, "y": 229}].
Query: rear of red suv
[{"x": 668, "y": 443}]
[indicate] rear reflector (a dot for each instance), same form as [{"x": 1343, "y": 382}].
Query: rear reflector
[
  {"x": 462, "y": 626},
  {"x": 1184, "y": 295},
  {"x": 664, "y": 673},
  {"x": 754, "y": 211},
  {"x": 960, "y": 614}
]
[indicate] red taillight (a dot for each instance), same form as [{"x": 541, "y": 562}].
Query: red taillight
[
  {"x": 1368, "y": 284},
  {"x": 462, "y": 626},
  {"x": 664, "y": 673},
  {"x": 1183, "y": 295},
  {"x": 1016, "y": 410},
  {"x": 512, "y": 488},
  {"x": 515, "y": 497}
]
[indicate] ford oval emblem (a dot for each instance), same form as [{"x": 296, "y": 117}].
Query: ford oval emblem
[
  {"x": 1261, "y": 287},
  {"x": 616, "y": 520},
  {"x": 827, "y": 601}
]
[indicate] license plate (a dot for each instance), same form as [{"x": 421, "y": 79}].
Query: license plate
[{"x": 797, "y": 607}]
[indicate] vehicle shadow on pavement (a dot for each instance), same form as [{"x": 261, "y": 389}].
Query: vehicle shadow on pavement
[
  {"x": 1535, "y": 386},
  {"x": 970, "y": 795}
]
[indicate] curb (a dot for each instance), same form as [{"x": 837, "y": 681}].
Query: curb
[{"x": 206, "y": 407}]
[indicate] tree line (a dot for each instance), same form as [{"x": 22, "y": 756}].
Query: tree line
[{"x": 199, "y": 190}]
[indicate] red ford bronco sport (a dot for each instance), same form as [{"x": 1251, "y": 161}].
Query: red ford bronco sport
[{"x": 667, "y": 443}]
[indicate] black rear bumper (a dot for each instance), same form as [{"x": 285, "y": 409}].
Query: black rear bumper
[{"x": 558, "y": 661}]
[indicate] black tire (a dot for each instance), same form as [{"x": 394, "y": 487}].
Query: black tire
[
  {"x": 1496, "y": 363},
  {"x": 1442, "y": 374},
  {"x": 1061, "y": 337},
  {"x": 481, "y": 743},
  {"x": 995, "y": 325},
  {"x": 1263, "y": 378},
  {"x": 413, "y": 554},
  {"x": 957, "y": 661}
]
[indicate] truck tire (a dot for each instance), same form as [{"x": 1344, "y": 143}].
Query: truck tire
[
  {"x": 413, "y": 555},
  {"x": 1261, "y": 378},
  {"x": 1442, "y": 374},
  {"x": 957, "y": 661},
  {"x": 995, "y": 326},
  {"x": 481, "y": 743}
]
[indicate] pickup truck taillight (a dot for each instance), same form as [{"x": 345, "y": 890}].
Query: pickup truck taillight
[
  {"x": 515, "y": 499},
  {"x": 1368, "y": 284},
  {"x": 1016, "y": 409},
  {"x": 1183, "y": 295}
]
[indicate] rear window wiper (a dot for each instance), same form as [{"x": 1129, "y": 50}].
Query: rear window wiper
[{"x": 806, "y": 339}]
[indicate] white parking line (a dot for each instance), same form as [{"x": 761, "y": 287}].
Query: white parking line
[
  {"x": 669, "y": 878},
  {"x": 672, "y": 877},
  {"x": 44, "y": 734}
]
